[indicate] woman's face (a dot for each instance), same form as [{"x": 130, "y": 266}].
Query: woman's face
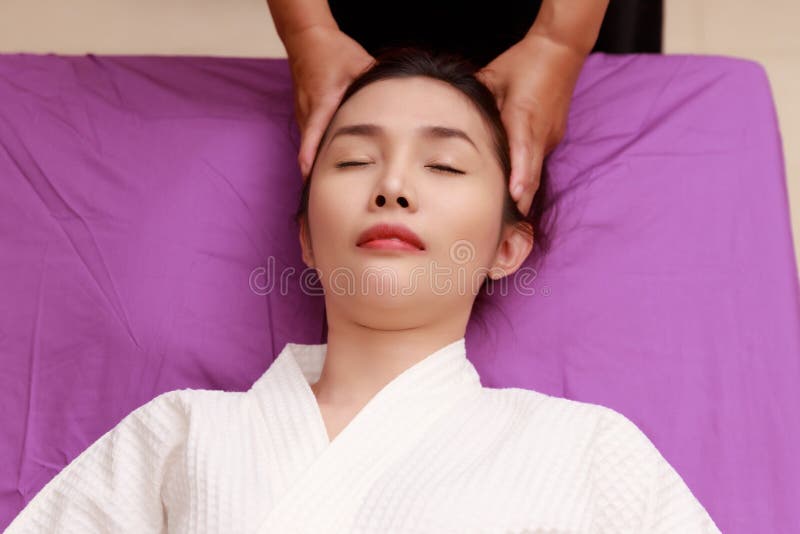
[{"x": 398, "y": 157}]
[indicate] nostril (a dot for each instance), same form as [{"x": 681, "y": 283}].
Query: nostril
[
  {"x": 381, "y": 200},
  {"x": 403, "y": 202}
]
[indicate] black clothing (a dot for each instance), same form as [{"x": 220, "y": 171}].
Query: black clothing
[{"x": 482, "y": 31}]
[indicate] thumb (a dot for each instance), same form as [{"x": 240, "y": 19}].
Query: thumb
[
  {"x": 486, "y": 76},
  {"x": 483, "y": 77},
  {"x": 315, "y": 127},
  {"x": 532, "y": 179},
  {"x": 521, "y": 155}
]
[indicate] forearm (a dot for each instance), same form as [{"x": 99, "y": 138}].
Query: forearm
[
  {"x": 574, "y": 23},
  {"x": 293, "y": 16}
]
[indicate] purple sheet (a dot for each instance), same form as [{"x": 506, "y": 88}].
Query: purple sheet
[{"x": 146, "y": 207}]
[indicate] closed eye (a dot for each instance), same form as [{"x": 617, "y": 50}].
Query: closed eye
[
  {"x": 350, "y": 164},
  {"x": 443, "y": 168}
]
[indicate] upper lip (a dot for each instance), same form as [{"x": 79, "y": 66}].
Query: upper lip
[{"x": 388, "y": 230}]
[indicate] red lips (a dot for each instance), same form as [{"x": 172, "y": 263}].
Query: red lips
[{"x": 387, "y": 231}]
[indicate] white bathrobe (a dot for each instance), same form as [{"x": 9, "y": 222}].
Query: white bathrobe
[{"x": 432, "y": 452}]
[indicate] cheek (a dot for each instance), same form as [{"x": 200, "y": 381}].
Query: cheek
[
  {"x": 330, "y": 215},
  {"x": 470, "y": 223}
]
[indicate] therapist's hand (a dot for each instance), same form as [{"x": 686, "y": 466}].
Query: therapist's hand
[
  {"x": 323, "y": 61},
  {"x": 533, "y": 83}
]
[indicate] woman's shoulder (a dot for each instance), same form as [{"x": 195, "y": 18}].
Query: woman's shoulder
[
  {"x": 601, "y": 426},
  {"x": 608, "y": 431},
  {"x": 530, "y": 403},
  {"x": 537, "y": 401},
  {"x": 192, "y": 402},
  {"x": 625, "y": 467}
]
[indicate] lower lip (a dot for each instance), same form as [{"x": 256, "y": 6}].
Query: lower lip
[{"x": 390, "y": 244}]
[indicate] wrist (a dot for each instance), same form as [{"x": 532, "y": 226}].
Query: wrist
[
  {"x": 576, "y": 48},
  {"x": 294, "y": 39},
  {"x": 574, "y": 24},
  {"x": 567, "y": 55}
]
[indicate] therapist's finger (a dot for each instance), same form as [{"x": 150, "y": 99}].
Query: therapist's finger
[
  {"x": 533, "y": 180},
  {"x": 315, "y": 126},
  {"x": 488, "y": 77},
  {"x": 520, "y": 140}
]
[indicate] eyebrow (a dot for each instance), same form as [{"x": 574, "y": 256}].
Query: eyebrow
[{"x": 429, "y": 132}]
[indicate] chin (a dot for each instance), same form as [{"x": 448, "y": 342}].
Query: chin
[{"x": 390, "y": 299}]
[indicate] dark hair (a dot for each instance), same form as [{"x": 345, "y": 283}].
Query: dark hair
[{"x": 458, "y": 72}]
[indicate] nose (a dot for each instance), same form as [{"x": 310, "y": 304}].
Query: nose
[{"x": 394, "y": 191}]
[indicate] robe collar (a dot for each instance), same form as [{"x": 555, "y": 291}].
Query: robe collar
[
  {"x": 294, "y": 436},
  {"x": 442, "y": 369},
  {"x": 446, "y": 371}
]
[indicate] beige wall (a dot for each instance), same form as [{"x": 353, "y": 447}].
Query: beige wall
[
  {"x": 764, "y": 31},
  {"x": 175, "y": 27}
]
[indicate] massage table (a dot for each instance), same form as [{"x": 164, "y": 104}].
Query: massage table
[{"x": 146, "y": 222}]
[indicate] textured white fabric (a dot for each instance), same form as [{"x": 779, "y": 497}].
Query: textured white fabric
[{"x": 432, "y": 452}]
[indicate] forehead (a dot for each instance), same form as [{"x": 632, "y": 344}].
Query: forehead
[{"x": 401, "y": 105}]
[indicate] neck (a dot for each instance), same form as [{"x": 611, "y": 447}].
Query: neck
[{"x": 361, "y": 360}]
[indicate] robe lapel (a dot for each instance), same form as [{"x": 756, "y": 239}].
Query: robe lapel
[{"x": 321, "y": 485}]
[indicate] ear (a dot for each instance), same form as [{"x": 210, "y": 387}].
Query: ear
[
  {"x": 514, "y": 247},
  {"x": 305, "y": 243}
]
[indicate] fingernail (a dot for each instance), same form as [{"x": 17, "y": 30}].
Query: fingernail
[{"x": 517, "y": 190}]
